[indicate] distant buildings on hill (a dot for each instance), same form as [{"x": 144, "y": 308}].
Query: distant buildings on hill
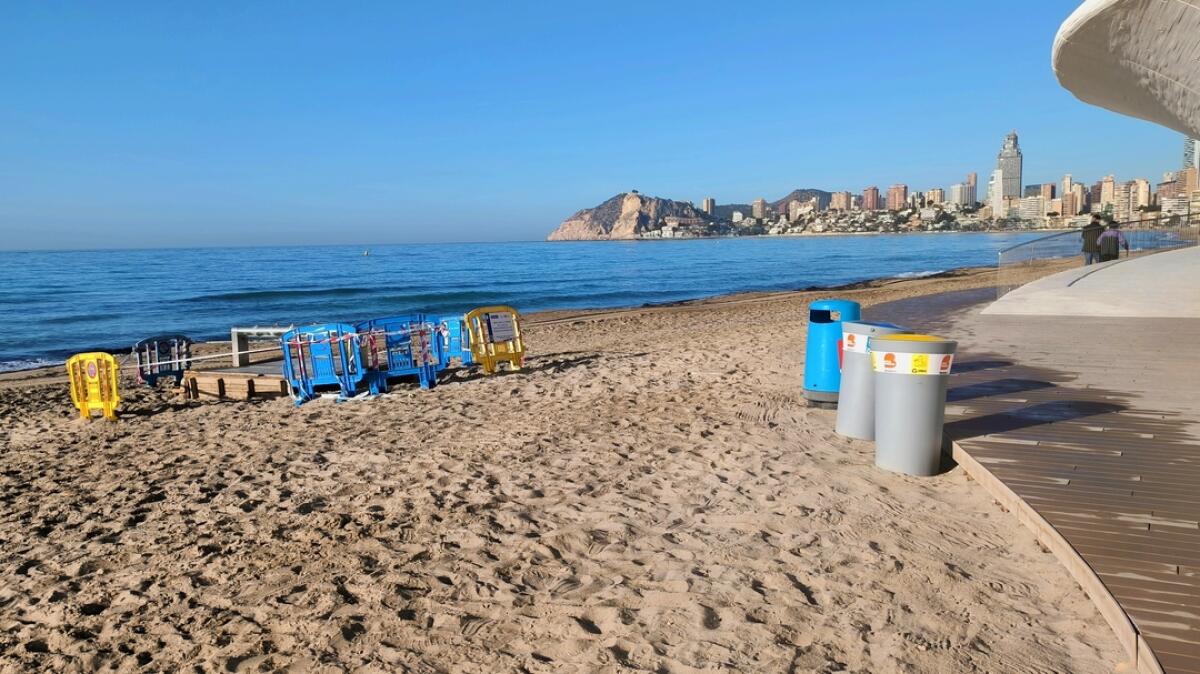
[{"x": 1008, "y": 203}]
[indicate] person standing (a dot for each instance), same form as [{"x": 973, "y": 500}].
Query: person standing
[
  {"x": 1111, "y": 242},
  {"x": 1091, "y": 240}
]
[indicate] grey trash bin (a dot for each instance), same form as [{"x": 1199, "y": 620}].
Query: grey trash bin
[
  {"x": 911, "y": 373},
  {"x": 856, "y": 398}
]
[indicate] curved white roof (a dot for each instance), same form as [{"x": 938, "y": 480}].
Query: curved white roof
[{"x": 1137, "y": 57}]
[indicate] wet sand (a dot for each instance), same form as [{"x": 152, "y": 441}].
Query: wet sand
[{"x": 650, "y": 494}]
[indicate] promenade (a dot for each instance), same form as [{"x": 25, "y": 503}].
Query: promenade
[{"x": 1086, "y": 428}]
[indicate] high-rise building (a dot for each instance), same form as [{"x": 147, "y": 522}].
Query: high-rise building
[
  {"x": 1067, "y": 184},
  {"x": 1176, "y": 206},
  {"x": 1122, "y": 202},
  {"x": 972, "y": 189},
  {"x": 710, "y": 205},
  {"x": 1054, "y": 206},
  {"x": 870, "y": 198},
  {"x": 1047, "y": 192},
  {"x": 958, "y": 194},
  {"x": 1080, "y": 202},
  {"x": 1168, "y": 189},
  {"x": 841, "y": 201},
  {"x": 1189, "y": 153},
  {"x": 1011, "y": 161},
  {"x": 915, "y": 199},
  {"x": 1032, "y": 191},
  {"x": 936, "y": 195},
  {"x": 1142, "y": 196},
  {"x": 996, "y": 194},
  {"x": 1189, "y": 180},
  {"x": 1194, "y": 205},
  {"x": 1095, "y": 205},
  {"x": 1105, "y": 200},
  {"x": 1032, "y": 208},
  {"x": 897, "y": 196},
  {"x": 759, "y": 208}
]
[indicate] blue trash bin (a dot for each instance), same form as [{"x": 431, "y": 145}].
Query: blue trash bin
[{"x": 823, "y": 353}]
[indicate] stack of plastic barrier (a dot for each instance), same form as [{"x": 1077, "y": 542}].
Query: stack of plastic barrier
[
  {"x": 162, "y": 356},
  {"x": 319, "y": 357},
  {"x": 400, "y": 346},
  {"x": 495, "y": 334},
  {"x": 93, "y": 379}
]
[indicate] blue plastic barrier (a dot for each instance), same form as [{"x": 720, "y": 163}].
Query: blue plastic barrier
[
  {"x": 162, "y": 356},
  {"x": 456, "y": 339},
  {"x": 400, "y": 346},
  {"x": 322, "y": 356}
]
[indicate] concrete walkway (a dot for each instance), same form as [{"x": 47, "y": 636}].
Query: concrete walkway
[
  {"x": 1162, "y": 285},
  {"x": 1087, "y": 429}
]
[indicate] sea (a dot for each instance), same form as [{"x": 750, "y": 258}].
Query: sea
[{"x": 55, "y": 303}]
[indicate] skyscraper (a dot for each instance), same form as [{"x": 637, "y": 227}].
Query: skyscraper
[
  {"x": 1189, "y": 153},
  {"x": 759, "y": 208},
  {"x": 1047, "y": 192},
  {"x": 710, "y": 205},
  {"x": 870, "y": 197},
  {"x": 972, "y": 194},
  {"x": 1010, "y": 161},
  {"x": 1080, "y": 202},
  {"x": 958, "y": 194},
  {"x": 935, "y": 196},
  {"x": 1108, "y": 187},
  {"x": 996, "y": 194},
  {"x": 841, "y": 201},
  {"x": 1067, "y": 184},
  {"x": 1189, "y": 180},
  {"x": 897, "y": 196}
]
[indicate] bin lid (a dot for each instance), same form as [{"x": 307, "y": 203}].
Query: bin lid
[
  {"x": 871, "y": 327},
  {"x": 836, "y": 305},
  {"x": 913, "y": 343}
]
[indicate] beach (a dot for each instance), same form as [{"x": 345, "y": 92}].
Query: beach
[{"x": 650, "y": 494}]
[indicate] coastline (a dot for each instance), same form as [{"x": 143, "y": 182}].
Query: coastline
[
  {"x": 206, "y": 346},
  {"x": 649, "y": 493}
]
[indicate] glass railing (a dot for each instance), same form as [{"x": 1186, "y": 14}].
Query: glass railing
[{"x": 1022, "y": 263}]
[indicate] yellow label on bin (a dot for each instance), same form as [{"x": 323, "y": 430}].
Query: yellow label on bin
[{"x": 891, "y": 362}]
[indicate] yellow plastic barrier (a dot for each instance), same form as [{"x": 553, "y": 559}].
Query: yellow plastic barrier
[
  {"x": 94, "y": 384},
  {"x": 496, "y": 338}
]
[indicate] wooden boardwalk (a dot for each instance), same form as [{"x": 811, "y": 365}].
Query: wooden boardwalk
[{"x": 1087, "y": 430}]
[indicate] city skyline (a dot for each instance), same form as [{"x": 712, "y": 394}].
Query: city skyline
[{"x": 149, "y": 125}]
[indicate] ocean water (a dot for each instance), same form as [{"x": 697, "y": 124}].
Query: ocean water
[{"x": 54, "y": 303}]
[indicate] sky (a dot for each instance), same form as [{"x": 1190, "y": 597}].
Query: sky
[{"x": 219, "y": 124}]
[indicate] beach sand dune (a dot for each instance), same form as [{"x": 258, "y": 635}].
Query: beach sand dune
[{"x": 650, "y": 495}]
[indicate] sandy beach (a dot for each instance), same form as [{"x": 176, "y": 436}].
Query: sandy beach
[{"x": 650, "y": 494}]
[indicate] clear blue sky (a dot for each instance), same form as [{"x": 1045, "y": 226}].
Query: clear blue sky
[{"x": 153, "y": 124}]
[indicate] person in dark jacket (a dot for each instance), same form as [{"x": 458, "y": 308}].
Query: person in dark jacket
[
  {"x": 1111, "y": 242},
  {"x": 1091, "y": 240}
]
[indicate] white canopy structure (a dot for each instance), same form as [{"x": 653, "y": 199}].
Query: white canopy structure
[{"x": 1136, "y": 57}]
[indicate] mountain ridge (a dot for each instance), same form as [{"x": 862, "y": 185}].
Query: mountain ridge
[{"x": 626, "y": 215}]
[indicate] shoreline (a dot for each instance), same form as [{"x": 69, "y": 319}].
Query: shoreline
[
  {"x": 534, "y": 315},
  {"x": 954, "y": 279},
  {"x": 650, "y": 492}
]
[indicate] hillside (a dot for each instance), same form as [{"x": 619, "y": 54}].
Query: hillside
[{"x": 624, "y": 216}]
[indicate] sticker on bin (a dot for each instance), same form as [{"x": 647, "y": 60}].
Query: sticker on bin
[
  {"x": 912, "y": 363},
  {"x": 855, "y": 342}
]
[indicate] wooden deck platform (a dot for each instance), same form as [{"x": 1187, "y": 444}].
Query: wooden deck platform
[
  {"x": 260, "y": 380},
  {"x": 1087, "y": 430}
]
